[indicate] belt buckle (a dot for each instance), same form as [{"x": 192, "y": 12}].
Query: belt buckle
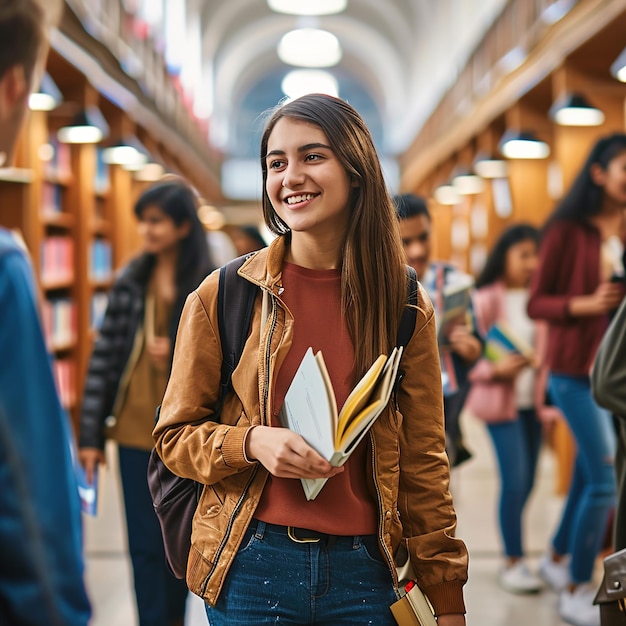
[{"x": 292, "y": 536}]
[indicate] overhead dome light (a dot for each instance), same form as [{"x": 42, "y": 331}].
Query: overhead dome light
[
  {"x": 489, "y": 167},
  {"x": 447, "y": 194},
  {"x": 618, "y": 68},
  {"x": 575, "y": 110},
  {"x": 523, "y": 145},
  {"x": 301, "y": 82},
  {"x": 308, "y": 7},
  {"x": 309, "y": 47},
  {"x": 468, "y": 184},
  {"x": 89, "y": 126},
  {"x": 47, "y": 97}
]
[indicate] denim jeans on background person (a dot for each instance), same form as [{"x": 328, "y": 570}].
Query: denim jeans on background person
[
  {"x": 160, "y": 596},
  {"x": 517, "y": 446},
  {"x": 592, "y": 492},
  {"x": 276, "y": 580}
]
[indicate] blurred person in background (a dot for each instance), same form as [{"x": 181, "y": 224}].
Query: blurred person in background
[
  {"x": 246, "y": 239},
  {"x": 578, "y": 286},
  {"x": 128, "y": 373},
  {"x": 508, "y": 389},
  {"x": 41, "y": 563},
  {"x": 464, "y": 344}
]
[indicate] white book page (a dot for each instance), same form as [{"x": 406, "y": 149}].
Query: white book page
[{"x": 308, "y": 409}]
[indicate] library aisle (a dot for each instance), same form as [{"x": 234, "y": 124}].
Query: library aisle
[{"x": 475, "y": 491}]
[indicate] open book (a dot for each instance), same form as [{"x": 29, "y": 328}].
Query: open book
[
  {"x": 310, "y": 409},
  {"x": 501, "y": 341}
]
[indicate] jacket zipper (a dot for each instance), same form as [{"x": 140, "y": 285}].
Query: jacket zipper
[
  {"x": 244, "y": 493},
  {"x": 381, "y": 539}
]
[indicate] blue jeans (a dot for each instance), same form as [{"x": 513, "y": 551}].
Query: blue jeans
[
  {"x": 592, "y": 491},
  {"x": 517, "y": 446},
  {"x": 160, "y": 596},
  {"x": 276, "y": 580}
]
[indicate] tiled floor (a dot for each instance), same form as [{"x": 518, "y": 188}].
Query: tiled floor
[{"x": 475, "y": 489}]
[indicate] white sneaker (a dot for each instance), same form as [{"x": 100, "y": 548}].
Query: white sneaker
[
  {"x": 556, "y": 574},
  {"x": 577, "y": 607},
  {"x": 517, "y": 578}
]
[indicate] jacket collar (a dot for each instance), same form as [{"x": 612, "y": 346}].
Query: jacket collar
[{"x": 265, "y": 267}]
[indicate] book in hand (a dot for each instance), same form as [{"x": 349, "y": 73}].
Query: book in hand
[
  {"x": 310, "y": 409},
  {"x": 88, "y": 492},
  {"x": 451, "y": 306},
  {"x": 502, "y": 341}
]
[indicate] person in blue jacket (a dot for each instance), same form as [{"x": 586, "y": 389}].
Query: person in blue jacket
[{"x": 41, "y": 564}]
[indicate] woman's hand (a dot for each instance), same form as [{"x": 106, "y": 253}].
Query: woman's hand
[
  {"x": 454, "y": 619},
  {"x": 90, "y": 458},
  {"x": 607, "y": 297},
  {"x": 159, "y": 349},
  {"x": 286, "y": 455},
  {"x": 509, "y": 367},
  {"x": 464, "y": 343}
]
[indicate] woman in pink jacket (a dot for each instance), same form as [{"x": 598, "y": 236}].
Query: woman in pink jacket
[{"x": 508, "y": 389}]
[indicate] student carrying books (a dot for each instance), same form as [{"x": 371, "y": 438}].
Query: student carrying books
[
  {"x": 333, "y": 280},
  {"x": 509, "y": 388}
]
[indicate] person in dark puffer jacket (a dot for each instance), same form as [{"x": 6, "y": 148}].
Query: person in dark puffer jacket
[{"x": 128, "y": 372}]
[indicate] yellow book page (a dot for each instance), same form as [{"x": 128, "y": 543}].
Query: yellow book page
[
  {"x": 378, "y": 398},
  {"x": 357, "y": 423},
  {"x": 359, "y": 396}
]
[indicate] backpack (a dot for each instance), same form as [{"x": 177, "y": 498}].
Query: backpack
[{"x": 175, "y": 499}]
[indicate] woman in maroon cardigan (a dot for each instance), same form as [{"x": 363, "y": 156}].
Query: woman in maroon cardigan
[{"x": 579, "y": 283}]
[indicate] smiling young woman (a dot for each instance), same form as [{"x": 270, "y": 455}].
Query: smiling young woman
[{"x": 334, "y": 279}]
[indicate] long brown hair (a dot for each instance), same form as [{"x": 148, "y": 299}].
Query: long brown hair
[{"x": 373, "y": 275}]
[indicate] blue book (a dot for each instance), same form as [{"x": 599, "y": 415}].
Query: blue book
[{"x": 88, "y": 492}]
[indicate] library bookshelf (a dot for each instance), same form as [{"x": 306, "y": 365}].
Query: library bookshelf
[{"x": 63, "y": 201}]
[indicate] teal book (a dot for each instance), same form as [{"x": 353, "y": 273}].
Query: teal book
[{"x": 501, "y": 341}]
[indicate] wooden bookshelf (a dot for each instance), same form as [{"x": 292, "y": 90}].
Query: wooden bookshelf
[{"x": 71, "y": 211}]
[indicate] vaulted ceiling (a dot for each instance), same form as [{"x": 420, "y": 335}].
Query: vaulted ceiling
[{"x": 399, "y": 57}]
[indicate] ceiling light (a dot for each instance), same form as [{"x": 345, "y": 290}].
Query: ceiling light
[
  {"x": 575, "y": 110},
  {"x": 129, "y": 153},
  {"x": 523, "y": 145},
  {"x": 47, "y": 97},
  {"x": 447, "y": 194},
  {"x": 467, "y": 184},
  {"x": 618, "y": 69},
  {"x": 489, "y": 167},
  {"x": 309, "y": 47},
  {"x": 308, "y": 7},
  {"x": 301, "y": 82},
  {"x": 89, "y": 126}
]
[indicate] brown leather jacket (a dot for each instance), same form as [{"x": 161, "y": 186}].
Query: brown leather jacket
[{"x": 407, "y": 463}]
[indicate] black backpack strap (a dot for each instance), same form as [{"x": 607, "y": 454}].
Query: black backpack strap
[
  {"x": 235, "y": 305},
  {"x": 407, "y": 322},
  {"x": 409, "y": 315}
]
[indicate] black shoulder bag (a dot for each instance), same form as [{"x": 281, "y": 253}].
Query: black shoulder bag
[{"x": 175, "y": 499}]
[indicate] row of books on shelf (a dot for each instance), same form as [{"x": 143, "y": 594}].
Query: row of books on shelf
[
  {"x": 51, "y": 198},
  {"x": 100, "y": 260},
  {"x": 57, "y": 259},
  {"x": 65, "y": 377},
  {"x": 59, "y": 321}
]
